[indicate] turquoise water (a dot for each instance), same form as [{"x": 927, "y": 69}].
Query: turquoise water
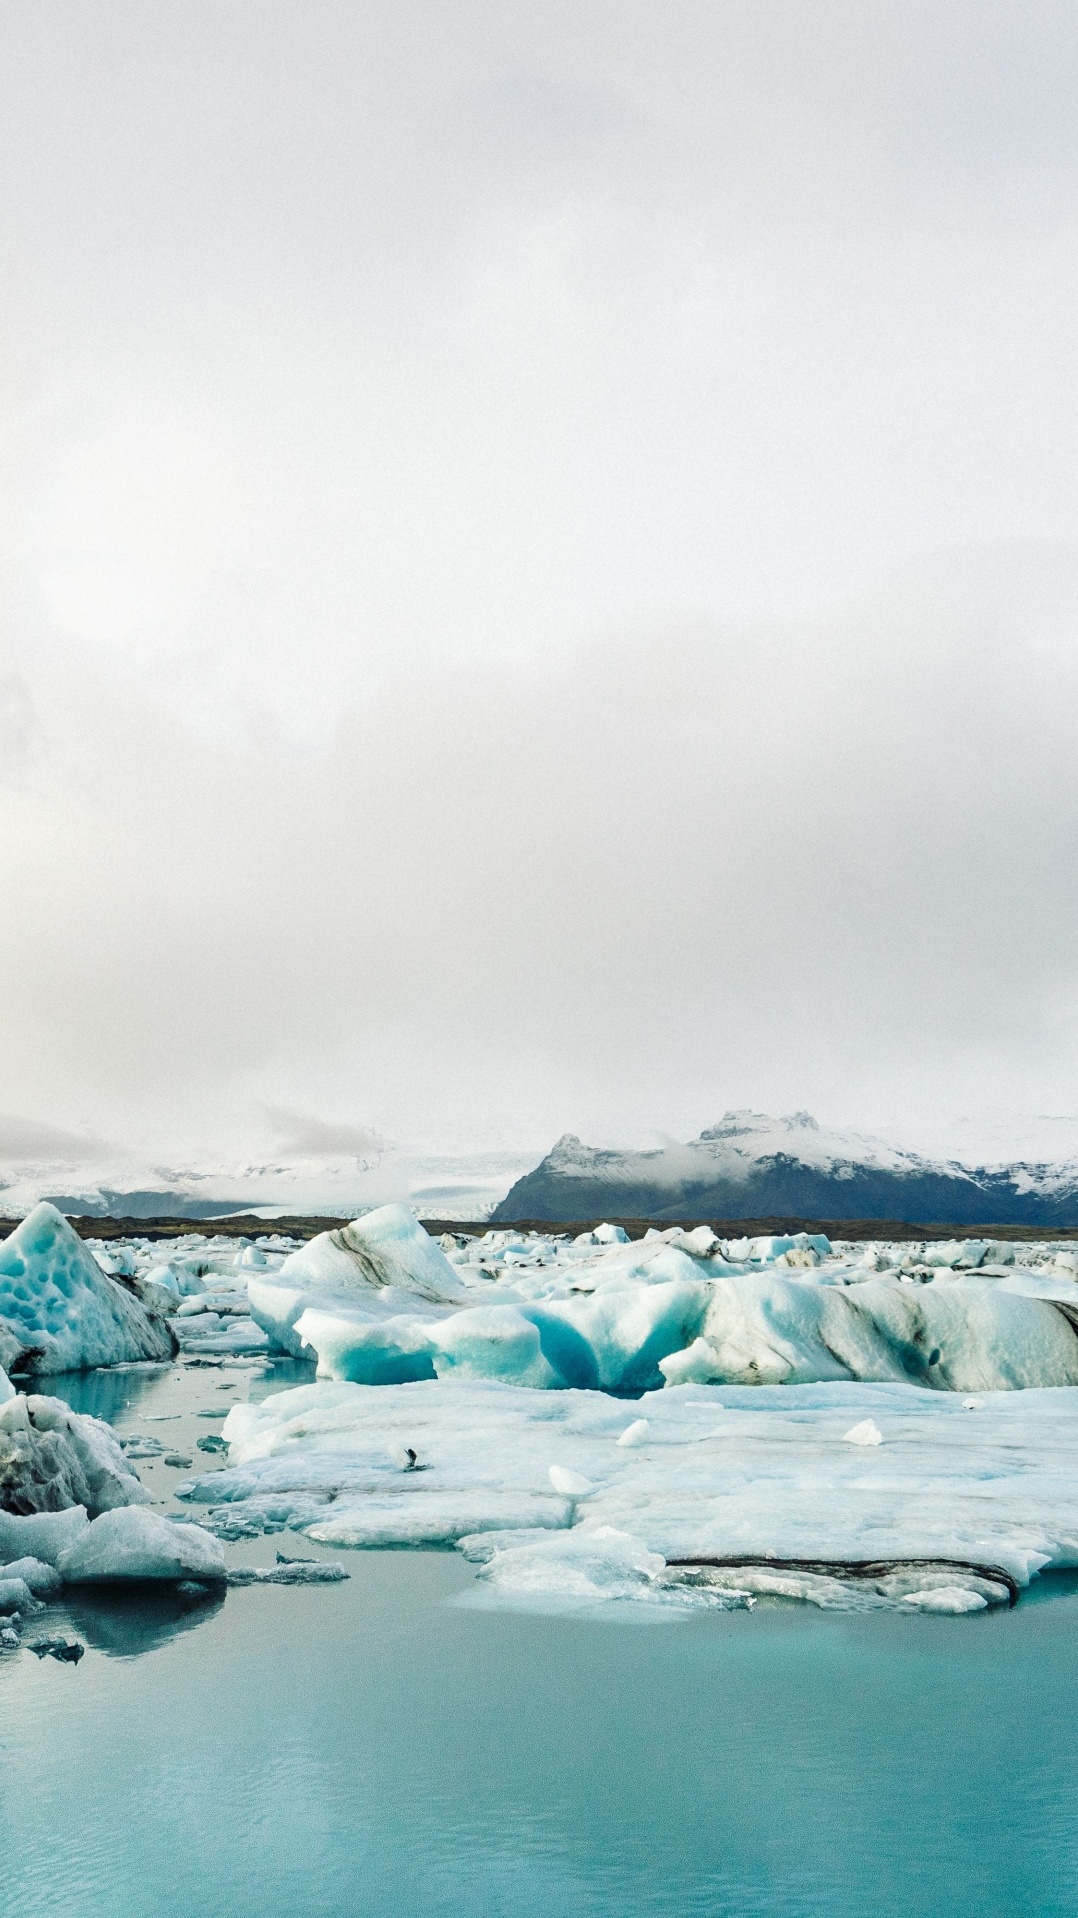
[{"x": 375, "y": 1748}]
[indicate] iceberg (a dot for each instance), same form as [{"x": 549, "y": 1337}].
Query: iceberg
[
  {"x": 42, "y": 1536},
  {"x": 970, "y": 1334},
  {"x": 59, "y": 1312},
  {"x": 754, "y": 1489},
  {"x": 52, "y": 1458},
  {"x": 626, "y": 1318},
  {"x": 132, "y": 1544},
  {"x": 366, "y": 1272}
]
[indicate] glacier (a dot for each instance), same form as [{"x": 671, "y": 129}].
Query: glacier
[
  {"x": 665, "y": 1423},
  {"x": 379, "y": 1302}
]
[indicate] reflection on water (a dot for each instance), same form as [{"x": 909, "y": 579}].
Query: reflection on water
[
  {"x": 119, "y": 1393},
  {"x": 126, "y": 1622},
  {"x": 368, "y": 1750},
  {"x": 104, "y": 1395}
]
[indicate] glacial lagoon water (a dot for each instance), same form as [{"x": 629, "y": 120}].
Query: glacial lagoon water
[{"x": 377, "y": 1747}]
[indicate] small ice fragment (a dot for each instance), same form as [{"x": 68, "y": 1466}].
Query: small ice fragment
[
  {"x": 212, "y": 1443},
  {"x": 947, "y": 1598},
  {"x": 636, "y": 1433},
  {"x": 569, "y": 1484},
  {"x": 972, "y": 1405},
  {"x": 867, "y": 1433}
]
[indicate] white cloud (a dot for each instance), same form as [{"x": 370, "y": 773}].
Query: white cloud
[{"x": 439, "y": 440}]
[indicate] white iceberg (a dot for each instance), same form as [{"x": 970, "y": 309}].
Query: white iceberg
[
  {"x": 59, "y": 1312},
  {"x": 41, "y": 1579},
  {"x": 52, "y": 1458},
  {"x": 368, "y": 1272},
  {"x": 135, "y": 1544},
  {"x": 43, "y": 1536},
  {"x": 971, "y": 1334}
]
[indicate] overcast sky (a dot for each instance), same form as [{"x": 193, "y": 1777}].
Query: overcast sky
[{"x": 538, "y": 584}]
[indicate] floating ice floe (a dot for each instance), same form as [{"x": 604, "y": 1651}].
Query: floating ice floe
[
  {"x": 757, "y": 1491},
  {"x": 59, "y": 1312}
]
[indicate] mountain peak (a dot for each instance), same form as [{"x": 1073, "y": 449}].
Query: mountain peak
[{"x": 743, "y": 1122}]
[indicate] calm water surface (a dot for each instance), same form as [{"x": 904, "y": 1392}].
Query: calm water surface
[{"x": 375, "y": 1748}]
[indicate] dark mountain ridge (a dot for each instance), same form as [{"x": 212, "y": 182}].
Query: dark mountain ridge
[{"x": 752, "y": 1166}]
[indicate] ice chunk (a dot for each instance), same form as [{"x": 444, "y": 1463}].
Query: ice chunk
[
  {"x": 698, "y": 1364},
  {"x": 42, "y": 1580},
  {"x": 208, "y": 1333},
  {"x": 587, "y": 1567},
  {"x": 384, "y": 1250},
  {"x": 51, "y": 1457},
  {"x": 496, "y": 1341},
  {"x": 946, "y": 1598},
  {"x": 635, "y": 1434},
  {"x": 40, "y": 1535},
  {"x": 135, "y": 1544},
  {"x": 291, "y": 1572},
  {"x": 366, "y": 1347},
  {"x": 58, "y": 1308},
  {"x": 866, "y": 1433},
  {"x": 570, "y": 1484},
  {"x": 15, "y": 1594},
  {"x": 7, "y": 1390},
  {"x": 590, "y": 1562}
]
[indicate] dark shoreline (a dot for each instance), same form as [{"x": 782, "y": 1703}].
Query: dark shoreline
[{"x": 248, "y": 1225}]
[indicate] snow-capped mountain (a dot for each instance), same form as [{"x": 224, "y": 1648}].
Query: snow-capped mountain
[{"x": 752, "y": 1166}]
